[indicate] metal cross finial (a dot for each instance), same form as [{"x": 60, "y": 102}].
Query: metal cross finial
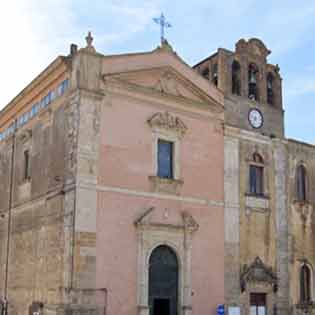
[
  {"x": 163, "y": 24},
  {"x": 89, "y": 39}
]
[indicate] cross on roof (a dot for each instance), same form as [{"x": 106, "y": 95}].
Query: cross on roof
[{"x": 163, "y": 24}]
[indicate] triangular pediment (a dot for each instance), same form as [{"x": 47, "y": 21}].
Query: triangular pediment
[
  {"x": 162, "y": 75},
  {"x": 159, "y": 218}
]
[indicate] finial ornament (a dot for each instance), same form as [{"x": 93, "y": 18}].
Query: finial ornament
[
  {"x": 89, "y": 39},
  {"x": 163, "y": 24}
]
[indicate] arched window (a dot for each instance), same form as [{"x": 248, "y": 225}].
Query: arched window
[
  {"x": 301, "y": 183},
  {"x": 253, "y": 82},
  {"x": 305, "y": 283},
  {"x": 256, "y": 174},
  {"x": 236, "y": 78},
  {"x": 214, "y": 71},
  {"x": 163, "y": 281},
  {"x": 270, "y": 94}
]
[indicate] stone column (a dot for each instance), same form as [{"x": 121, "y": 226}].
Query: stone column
[
  {"x": 282, "y": 248},
  {"x": 231, "y": 220},
  {"x": 187, "y": 303}
]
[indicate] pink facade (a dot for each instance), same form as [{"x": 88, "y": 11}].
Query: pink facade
[{"x": 125, "y": 191}]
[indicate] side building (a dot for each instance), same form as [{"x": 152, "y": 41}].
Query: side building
[
  {"x": 112, "y": 188},
  {"x": 269, "y": 188}
]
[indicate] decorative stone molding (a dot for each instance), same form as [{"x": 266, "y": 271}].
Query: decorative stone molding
[
  {"x": 154, "y": 232},
  {"x": 165, "y": 185},
  {"x": 254, "y": 46},
  {"x": 168, "y": 84},
  {"x": 255, "y": 202},
  {"x": 167, "y": 121},
  {"x": 305, "y": 210},
  {"x": 258, "y": 272},
  {"x": 25, "y": 135},
  {"x": 256, "y": 150},
  {"x": 189, "y": 222}
]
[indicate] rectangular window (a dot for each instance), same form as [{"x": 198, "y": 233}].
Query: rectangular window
[
  {"x": 256, "y": 180},
  {"x": 165, "y": 159},
  {"x": 26, "y": 165}
]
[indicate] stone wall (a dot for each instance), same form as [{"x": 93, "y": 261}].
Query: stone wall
[
  {"x": 232, "y": 220},
  {"x": 37, "y": 230},
  {"x": 301, "y": 217}
]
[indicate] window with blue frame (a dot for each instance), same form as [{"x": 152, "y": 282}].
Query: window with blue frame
[
  {"x": 44, "y": 102},
  {"x": 165, "y": 159}
]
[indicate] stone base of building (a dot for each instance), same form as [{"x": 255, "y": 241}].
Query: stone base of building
[{"x": 74, "y": 309}]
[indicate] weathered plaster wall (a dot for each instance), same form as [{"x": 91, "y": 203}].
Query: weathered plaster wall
[
  {"x": 37, "y": 238},
  {"x": 301, "y": 217}
]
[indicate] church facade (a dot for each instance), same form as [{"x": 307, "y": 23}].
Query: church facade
[
  {"x": 131, "y": 185},
  {"x": 112, "y": 198}
]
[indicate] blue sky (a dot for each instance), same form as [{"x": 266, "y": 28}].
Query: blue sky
[{"x": 34, "y": 32}]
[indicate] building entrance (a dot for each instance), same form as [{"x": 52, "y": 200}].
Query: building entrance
[{"x": 163, "y": 282}]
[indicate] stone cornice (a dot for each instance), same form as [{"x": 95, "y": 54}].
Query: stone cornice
[
  {"x": 116, "y": 79},
  {"x": 246, "y": 135},
  {"x": 188, "y": 222},
  {"x": 156, "y": 97}
]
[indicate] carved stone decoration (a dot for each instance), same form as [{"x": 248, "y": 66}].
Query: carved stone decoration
[
  {"x": 253, "y": 45},
  {"x": 189, "y": 222},
  {"x": 305, "y": 211},
  {"x": 258, "y": 272},
  {"x": 25, "y": 135},
  {"x": 167, "y": 121},
  {"x": 167, "y": 84},
  {"x": 165, "y": 185}
]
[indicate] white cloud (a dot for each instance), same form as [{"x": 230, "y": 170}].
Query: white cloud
[
  {"x": 34, "y": 32},
  {"x": 30, "y": 39}
]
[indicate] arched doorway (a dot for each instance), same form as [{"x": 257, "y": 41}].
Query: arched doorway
[{"x": 163, "y": 281}]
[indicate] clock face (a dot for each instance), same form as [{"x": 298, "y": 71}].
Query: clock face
[{"x": 255, "y": 118}]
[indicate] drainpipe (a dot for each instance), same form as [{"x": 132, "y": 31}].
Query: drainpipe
[{"x": 9, "y": 220}]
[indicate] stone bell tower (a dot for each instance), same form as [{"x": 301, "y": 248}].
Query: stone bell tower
[{"x": 252, "y": 87}]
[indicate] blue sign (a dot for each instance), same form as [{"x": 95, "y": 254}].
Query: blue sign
[{"x": 220, "y": 309}]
